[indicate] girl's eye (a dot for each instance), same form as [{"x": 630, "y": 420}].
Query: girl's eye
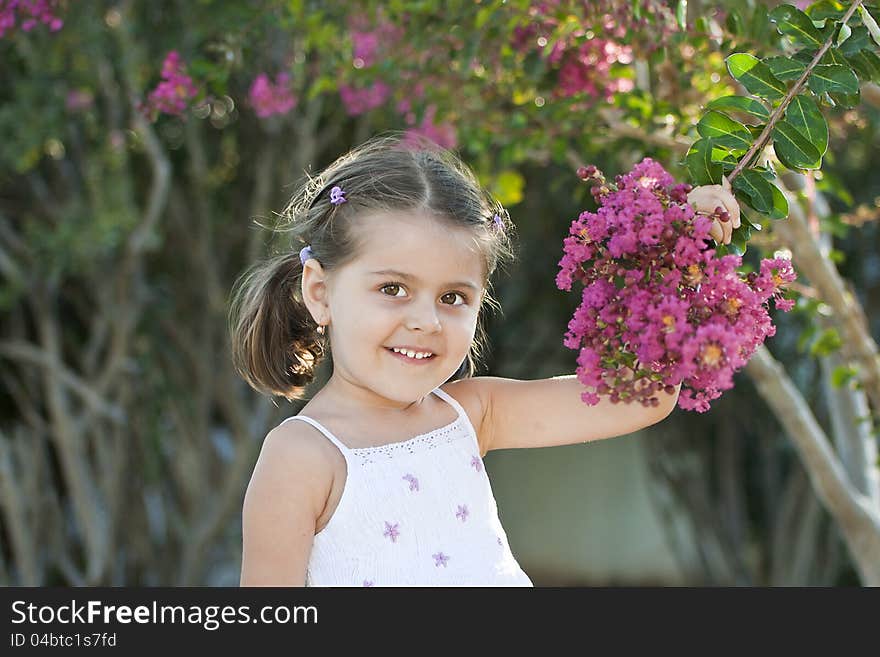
[
  {"x": 453, "y": 295},
  {"x": 391, "y": 285},
  {"x": 397, "y": 288}
]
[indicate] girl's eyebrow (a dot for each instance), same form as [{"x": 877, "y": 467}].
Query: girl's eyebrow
[{"x": 411, "y": 277}]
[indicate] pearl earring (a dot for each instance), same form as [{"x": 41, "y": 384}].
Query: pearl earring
[{"x": 320, "y": 330}]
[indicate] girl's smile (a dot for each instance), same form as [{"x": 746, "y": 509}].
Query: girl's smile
[{"x": 413, "y": 357}]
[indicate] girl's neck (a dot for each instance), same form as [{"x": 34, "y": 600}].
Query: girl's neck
[{"x": 348, "y": 397}]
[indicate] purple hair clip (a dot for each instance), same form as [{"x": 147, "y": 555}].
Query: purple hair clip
[
  {"x": 305, "y": 253},
  {"x": 337, "y": 196},
  {"x": 499, "y": 222}
]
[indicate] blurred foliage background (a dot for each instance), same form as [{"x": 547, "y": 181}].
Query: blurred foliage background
[{"x": 141, "y": 142}]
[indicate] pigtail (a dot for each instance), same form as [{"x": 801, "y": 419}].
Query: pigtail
[{"x": 275, "y": 344}]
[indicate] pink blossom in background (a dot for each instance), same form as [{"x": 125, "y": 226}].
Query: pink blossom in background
[
  {"x": 360, "y": 101},
  {"x": 364, "y": 48},
  {"x": 268, "y": 99},
  {"x": 588, "y": 70},
  {"x": 443, "y": 134},
  {"x": 370, "y": 42},
  {"x": 653, "y": 292},
  {"x": 584, "y": 56},
  {"x": 404, "y": 106},
  {"x": 30, "y": 13},
  {"x": 173, "y": 94}
]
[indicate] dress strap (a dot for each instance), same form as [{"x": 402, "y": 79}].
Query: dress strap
[
  {"x": 451, "y": 400},
  {"x": 461, "y": 414},
  {"x": 320, "y": 427}
]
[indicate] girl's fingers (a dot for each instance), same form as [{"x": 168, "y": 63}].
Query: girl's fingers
[
  {"x": 716, "y": 232},
  {"x": 732, "y": 206},
  {"x": 708, "y": 197}
]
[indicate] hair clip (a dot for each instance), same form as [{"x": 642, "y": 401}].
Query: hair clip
[
  {"x": 305, "y": 253},
  {"x": 337, "y": 196},
  {"x": 499, "y": 222}
]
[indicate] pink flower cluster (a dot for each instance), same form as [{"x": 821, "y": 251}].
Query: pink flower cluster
[
  {"x": 443, "y": 134},
  {"x": 268, "y": 99},
  {"x": 30, "y": 13},
  {"x": 368, "y": 44},
  {"x": 359, "y": 101},
  {"x": 658, "y": 307},
  {"x": 587, "y": 69},
  {"x": 585, "y": 55},
  {"x": 584, "y": 61},
  {"x": 172, "y": 95}
]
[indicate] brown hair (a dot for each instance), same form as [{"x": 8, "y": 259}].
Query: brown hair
[{"x": 275, "y": 344}]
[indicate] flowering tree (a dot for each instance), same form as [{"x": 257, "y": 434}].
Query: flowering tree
[{"x": 121, "y": 223}]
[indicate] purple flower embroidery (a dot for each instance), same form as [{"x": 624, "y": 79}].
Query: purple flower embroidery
[
  {"x": 462, "y": 512},
  {"x": 368, "y": 582},
  {"x": 391, "y": 531},
  {"x": 477, "y": 463},
  {"x": 440, "y": 559},
  {"x": 413, "y": 482}
]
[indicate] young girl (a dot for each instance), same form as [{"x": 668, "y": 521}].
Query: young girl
[{"x": 379, "y": 481}]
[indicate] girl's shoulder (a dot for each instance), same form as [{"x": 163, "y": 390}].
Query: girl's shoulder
[{"x": 470, "y": 393}]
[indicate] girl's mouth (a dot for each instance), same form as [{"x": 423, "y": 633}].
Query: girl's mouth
[{"x": 408, "y": 359}]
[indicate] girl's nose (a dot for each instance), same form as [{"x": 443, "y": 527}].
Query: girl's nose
[{"x": 423, "y": 318}]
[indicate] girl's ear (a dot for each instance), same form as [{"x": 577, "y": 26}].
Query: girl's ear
[{"x": 314, "y": 291}]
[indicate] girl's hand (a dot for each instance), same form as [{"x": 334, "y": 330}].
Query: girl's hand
[{"x": 708, "y": 197}]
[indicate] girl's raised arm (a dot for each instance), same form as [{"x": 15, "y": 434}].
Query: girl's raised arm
[{"x": 548, "y": 412}]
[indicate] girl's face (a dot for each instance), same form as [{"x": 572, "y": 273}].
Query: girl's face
[{"x": 417, "y": 284}]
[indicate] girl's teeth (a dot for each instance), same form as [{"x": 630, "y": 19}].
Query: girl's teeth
[{"x": 412, "y": 354}]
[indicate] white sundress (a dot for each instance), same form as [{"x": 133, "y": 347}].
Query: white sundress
[{"x": 415, "y": 513}]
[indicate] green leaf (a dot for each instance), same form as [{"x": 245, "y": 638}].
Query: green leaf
[
  {"x": 738, "y": 240},
  {"x": 806, "y": 335},
  {"x": 858, "y": 40},
  {"x": 766, "y": 172},
  {"x": 699, "y": 163},
  {"x": 842, "y": 374},
  {"x": 741, "y": 104},
  {"x": 724, "y": 131},
  {"x": 827, "y": 342},
  {"x": 793, "y": 149},
  {"x": 870, "y": 23},
  {"x": 866, "y": 64},
  {"x": 804, "y": 114},
  {"x": 833, "y": 78},
  {"x": 753, "y": 224},
  {"x": 844, "y": 34},
  {"x": 734, "y": 23},
  {"x": 825, "y": 9},
  {"x": 780, "y": 204},
  {"x": 755, "y": 76},
  {"x": 681, "y": 9},
  {"x": 483, "y": 16},
  {"x": 756, "y": 190},
  {"x": 834, "y": 56},
  {"x": 785, "y": 68},
  {"x": 794, "y": 23},
  {"x": 846, "y": 100}
]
